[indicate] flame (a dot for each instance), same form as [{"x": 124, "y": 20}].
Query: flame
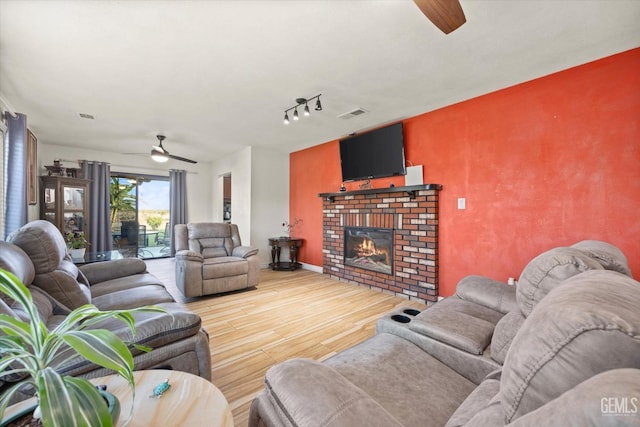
[{"x": 368, "y": 248}]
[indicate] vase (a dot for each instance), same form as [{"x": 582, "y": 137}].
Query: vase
[
  {"x": 78, "y": 253},
  {"x": 110, "y": 399}
]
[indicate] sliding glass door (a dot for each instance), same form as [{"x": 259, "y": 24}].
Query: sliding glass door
[{"x": 140, "y": 215}]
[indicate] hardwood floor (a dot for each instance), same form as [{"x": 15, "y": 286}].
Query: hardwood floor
[{"x": 289, "y": 314}]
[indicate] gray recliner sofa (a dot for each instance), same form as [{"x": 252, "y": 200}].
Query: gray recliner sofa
[
  {"x": 472, "y": 330},
  {"x": 211, "y": 259},
  {"x": 575, "y": 340},
  {"x": 37, "y": 254}
]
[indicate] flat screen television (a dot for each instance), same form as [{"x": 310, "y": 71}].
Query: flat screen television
[{"x": 375, "y": 154}]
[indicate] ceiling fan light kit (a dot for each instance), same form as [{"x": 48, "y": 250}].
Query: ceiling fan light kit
[
  {"x": 299, "y": 103},
  {"x": 161, "y": 155}
]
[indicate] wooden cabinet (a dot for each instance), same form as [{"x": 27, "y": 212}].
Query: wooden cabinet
[{"x": 64, "y": 201}]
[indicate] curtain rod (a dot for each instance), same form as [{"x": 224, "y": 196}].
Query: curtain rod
[
  {"x": 125, "y": 166},
  {"x": 9, "y": 108}
]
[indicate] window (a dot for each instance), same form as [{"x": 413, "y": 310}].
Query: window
[{"x": 140, "y": 214}]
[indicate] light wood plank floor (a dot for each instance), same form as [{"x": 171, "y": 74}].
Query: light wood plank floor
[{"x": 289, "y": 314}]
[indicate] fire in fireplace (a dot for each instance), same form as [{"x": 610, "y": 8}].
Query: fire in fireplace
[{"x": 369, "y": 248}]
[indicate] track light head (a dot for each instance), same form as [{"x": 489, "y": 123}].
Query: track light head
[
  {"x": 295, "y": 114},
  {"x": 286, "y": 118},
  {"x": 306, "y": 109},
  {"x": 318, "y": 105}
]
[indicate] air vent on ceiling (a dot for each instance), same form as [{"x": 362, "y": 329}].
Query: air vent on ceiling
[
  {"x": 352, "y": 113},
  {"x": 86, "y": 116}
]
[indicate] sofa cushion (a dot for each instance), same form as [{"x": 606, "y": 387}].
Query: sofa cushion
[
  {"x": 609, "y": 256},
  {"x": 403, "y": 379},
  {"x": 487, "y": 292},
  {"x": 214, "y": 268},
  {"x": 210, "y": 251},
  {"x": 459, "y": 323},
  {"x": 15, "y": 260},
  {"x": 98, "y": 272},
  {"x": 506, "y": 329},
  {"x": 54, "y": 271},
  {"x": 483, "y": 397},
  {"x": 292, "y": 385},
  {"x": 131, "y": 298},
  {"x": 588, "y": 325},
  {"x": 547, "y": 271},
  {"x": 152, "y": 329},
  {"x": 210, "y": 235},
  {"x": 124, "y": 283},
  {"x": 609, "y": 399},
  {"x": 42, "y": 242}
]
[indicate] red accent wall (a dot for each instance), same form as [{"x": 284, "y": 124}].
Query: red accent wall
[{"x": 542, "y": 164}]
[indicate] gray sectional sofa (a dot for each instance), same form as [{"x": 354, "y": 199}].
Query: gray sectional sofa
[
  {"x": 548, "y": 351},
  {"x": 37, "y": 255}
]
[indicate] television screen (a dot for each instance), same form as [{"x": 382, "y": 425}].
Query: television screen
[{"x": 375, "y": 154}]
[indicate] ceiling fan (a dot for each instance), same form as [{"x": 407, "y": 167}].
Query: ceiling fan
[
  {"x": 447, "y": 15},
  {"x": 159, "y": 154}
]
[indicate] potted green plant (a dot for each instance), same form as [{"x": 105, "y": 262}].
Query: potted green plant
[
  {"x": 28, "y": 348},
  {"x": 76, "y": 243}
]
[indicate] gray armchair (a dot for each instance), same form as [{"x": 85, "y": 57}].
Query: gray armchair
[{"x": 210, "y": 259}]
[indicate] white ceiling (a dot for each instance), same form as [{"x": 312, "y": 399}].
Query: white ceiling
[{"x": 216, "y": 76}]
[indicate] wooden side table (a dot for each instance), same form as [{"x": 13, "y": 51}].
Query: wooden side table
[
  {"x": 293, "y": 245},
  {"x": 191, "y": 400}
]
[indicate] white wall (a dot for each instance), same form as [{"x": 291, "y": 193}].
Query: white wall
[
  {"x": 238, "y": 165},
  {"x": 259, "y": 194},
  {"x": 199, "y": 187},
  {"x": 270, "y": 185}
]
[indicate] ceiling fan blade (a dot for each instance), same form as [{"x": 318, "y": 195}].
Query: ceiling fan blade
[
  {"x": 182, "y": 159},
  {"x": 447, "y": 15}
]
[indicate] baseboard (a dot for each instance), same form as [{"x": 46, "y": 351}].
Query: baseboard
[
  {"x": 309, "y": 267},
  {"x": 312, "y": 267}
]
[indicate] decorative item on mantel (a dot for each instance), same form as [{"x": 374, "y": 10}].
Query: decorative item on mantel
[
  {"x": 288, "y": 227},
  {"x": 60, "y": 170}
]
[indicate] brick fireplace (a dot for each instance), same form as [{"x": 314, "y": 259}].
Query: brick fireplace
[{"x": 411, "y": 212}]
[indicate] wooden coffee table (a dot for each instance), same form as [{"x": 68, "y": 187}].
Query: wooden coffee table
[{"x": 191, "y": 400}]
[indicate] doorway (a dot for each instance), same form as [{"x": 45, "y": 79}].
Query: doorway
[
  {"x": 140, "y": 213},
  {"x": 226, "y": 198}
]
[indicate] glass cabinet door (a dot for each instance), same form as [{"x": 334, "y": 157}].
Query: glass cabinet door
[
  {"x": 64, "y": 203},
  {"x": 73, "y": 209}
]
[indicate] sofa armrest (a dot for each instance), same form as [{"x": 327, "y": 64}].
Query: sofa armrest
[
  {"x": 305, "y": 392},
  {"x": 186, "y": 255},
  {"x": 487, "y": 292},
  {"x": 244, "y": 251},
  {"x": 98, "y": 272}
]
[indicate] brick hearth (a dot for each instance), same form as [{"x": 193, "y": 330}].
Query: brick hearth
[{"x": 412, "y": 212}]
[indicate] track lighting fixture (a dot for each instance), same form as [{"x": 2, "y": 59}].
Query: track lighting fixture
[{"x": 299, "y": 103}]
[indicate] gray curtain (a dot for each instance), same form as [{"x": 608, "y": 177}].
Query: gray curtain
[
  {"x": 15, "y": 170},
  {"x": 99, "y": 205},
  {"x": 178, "y": 202}
]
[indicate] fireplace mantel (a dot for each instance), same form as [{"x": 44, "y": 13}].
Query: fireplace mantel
[{"x": 410, "y": 190}]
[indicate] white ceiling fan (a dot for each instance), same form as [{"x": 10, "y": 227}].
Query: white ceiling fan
[{"x": 160, "y": 154}]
